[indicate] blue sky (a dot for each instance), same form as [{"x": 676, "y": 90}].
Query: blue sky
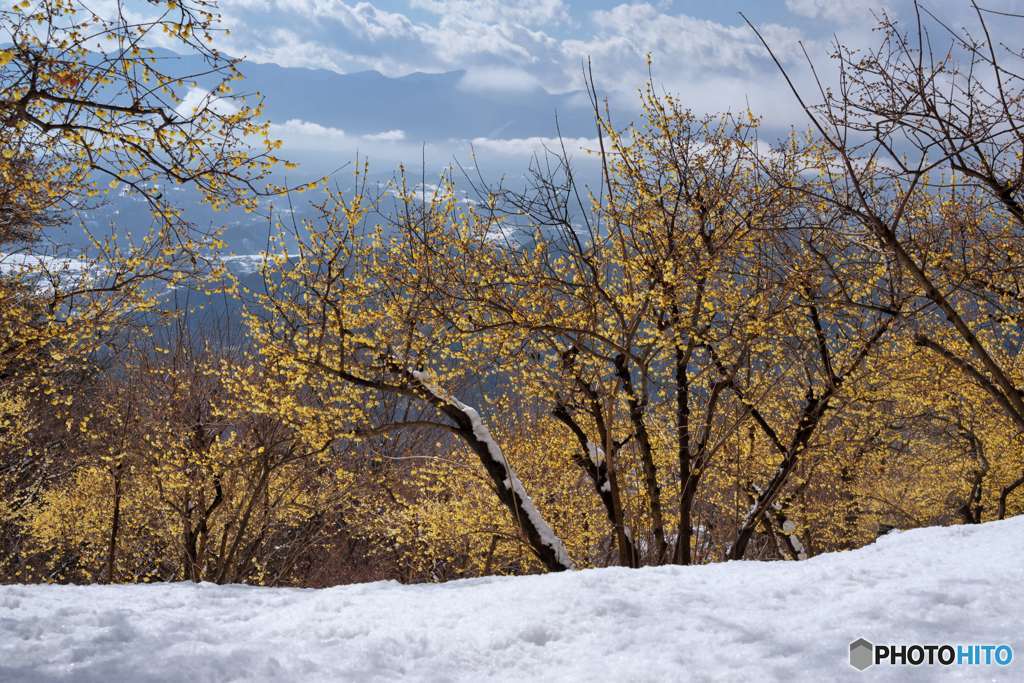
[
  {"x": 518, "y": 64},
  {"x": 702, "y": 50},
  {"x": 517, "y": 44},
  {"x": 510, "y": 49}
]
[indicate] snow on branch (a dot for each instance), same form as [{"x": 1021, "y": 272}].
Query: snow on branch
[{"x": 545, "y": 542}]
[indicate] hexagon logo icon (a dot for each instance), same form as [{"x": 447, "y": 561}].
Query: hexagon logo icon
[{"x": 862, "y": 654}]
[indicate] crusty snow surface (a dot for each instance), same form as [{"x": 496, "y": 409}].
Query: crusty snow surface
[{"x": 748, "y": 621}]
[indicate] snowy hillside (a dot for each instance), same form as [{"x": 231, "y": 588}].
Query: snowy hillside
[{"x": 737, "y": 621}]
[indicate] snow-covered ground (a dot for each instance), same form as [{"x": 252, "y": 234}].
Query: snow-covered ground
[{"x": 745, "y": 621}]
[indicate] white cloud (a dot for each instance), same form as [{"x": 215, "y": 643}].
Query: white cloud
[
  {"x": 464, "y": 34},
  {"x": 457, "y": 38},
  {"x": 308, "y": 134},
  {"x": 515, "y": 46},
  {"x": 525, "y": 12},
  {"x": 288, "y": 48},
  {"x": 711, "y": 66},
  {"x": 387, "y": 136},
  {"x": 308, "y": 140},
  {"x": 525, "y": 147},
  {"x": 499, "y": 79},
  {"x": 299, "y": 134},
  {"x": 835, "y": 10},
  {"x": 362, "y": 18},
  {"x": 504, "y": 47},
  {"x": 197, "y": 99},
  {"x": 691, "y": 45}
]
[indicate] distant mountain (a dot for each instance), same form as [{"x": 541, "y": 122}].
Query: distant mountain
[
  {"x": 433, "y": 108},
  {"x": 426, "y": 106}
]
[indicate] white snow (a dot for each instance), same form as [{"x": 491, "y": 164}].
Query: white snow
[
  {"x": 798, "y": 546},
  {"x": 21, "y": 262},
  {"x": 46, "y": 271},
  {"x": 789, "y": 528},
  {"x": 245, "y": 264},
  {"x": 741, "y": 621},
  {"x": 249, "y": 264}
]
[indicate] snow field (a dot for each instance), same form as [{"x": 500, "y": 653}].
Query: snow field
[{"x": 742, "y": 621}]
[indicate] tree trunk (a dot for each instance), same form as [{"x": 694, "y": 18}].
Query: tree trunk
[
  {"x": 687, "y": 481},
  {"x": 812, "y": 413},
  {"x": 684, "y": 554},
  {"x": 193, "y": 572},
  {"x": 971, "y": 509},
  {"x": 115, "y": 526},
  {"x": 628, "y": 555},
  {"x": 1004, "y": 494},
  {"x": 542, "y": 540},
  {"x": 850, "y": 507},
  {"x": 594, "y": 462},
  {"x": 643, "y": 440}
]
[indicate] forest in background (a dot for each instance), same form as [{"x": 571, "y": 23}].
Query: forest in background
[{"x": 729, "y": 348}]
